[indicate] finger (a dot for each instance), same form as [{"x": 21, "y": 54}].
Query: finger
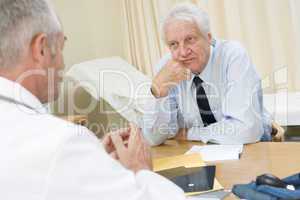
[
  {"x": 186, "y": 74},
  {"x": 118, "y": 143},
  {"x": 132, "y": 138},
  {"x": 106, "y": 139},
  {"x": 170, "y": 84},
  {"x": 107, "y": 143},
  {"x": 179, "y": 68},
  {"x": 183, "y": 77},
  {"x": 125, "y": 133},
  {"x": 176, "y": 66},
  {"x": 139, "y": 134},
  {"x": 134, "y": 132},
  {"x": 133, "y": 126},
  {"x": 138, "y": 141},
  {"x": 120, "y": 131}
]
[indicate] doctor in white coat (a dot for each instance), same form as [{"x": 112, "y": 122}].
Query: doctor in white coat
[{"x": 43, "y": 157}]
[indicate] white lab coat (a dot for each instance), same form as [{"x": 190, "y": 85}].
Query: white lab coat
[{"x": 43, "y": 157}]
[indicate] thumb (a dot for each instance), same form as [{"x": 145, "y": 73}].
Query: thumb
[{"x": 134, "y": 134}]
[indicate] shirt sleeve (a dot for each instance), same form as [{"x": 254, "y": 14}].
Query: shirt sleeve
[
  {"x": 241, "y": 107},
  {"x": 160, "y": 119},
  {"x": 82, "y": 169}
]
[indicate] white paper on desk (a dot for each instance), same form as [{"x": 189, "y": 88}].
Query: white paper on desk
[
  {"x": 117, "y": 82},
  {"x": 211, "y": 153}
]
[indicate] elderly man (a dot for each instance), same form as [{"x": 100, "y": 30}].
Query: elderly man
[
  {"x": 43, "y": 157},
  {"x": 207, "y": 90}
]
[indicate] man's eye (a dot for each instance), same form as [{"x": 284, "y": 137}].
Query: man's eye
[
  {"x": 191, "y": 39},
  {"x": 173, "y": 45}
]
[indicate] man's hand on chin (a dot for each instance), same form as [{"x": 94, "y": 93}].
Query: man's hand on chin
[
  {"x": 181, "y": 134},
  {"x": 169, "y": 76}
]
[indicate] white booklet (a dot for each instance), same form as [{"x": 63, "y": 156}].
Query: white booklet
[{"x": 211, "y": 153}]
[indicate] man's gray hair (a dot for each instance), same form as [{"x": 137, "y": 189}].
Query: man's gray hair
[
  {"x": 20, "y": 22},
  {"x": 187, "y": 12}
]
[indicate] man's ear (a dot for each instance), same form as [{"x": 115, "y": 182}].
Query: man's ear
[
  {"x": 39, "y": 49},
  {"x": 209, "y": 37}
]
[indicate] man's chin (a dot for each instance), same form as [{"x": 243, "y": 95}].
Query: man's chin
[{"x": 195, "y": 68}]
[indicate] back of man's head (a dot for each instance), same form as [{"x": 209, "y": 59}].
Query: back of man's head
[{"x": 20, "y": 22}]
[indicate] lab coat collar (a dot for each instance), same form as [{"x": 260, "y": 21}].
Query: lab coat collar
[{"x": 13, "y": 90}]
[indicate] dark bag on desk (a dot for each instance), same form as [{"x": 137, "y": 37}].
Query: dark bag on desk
[{"x": 252, "y": 191}]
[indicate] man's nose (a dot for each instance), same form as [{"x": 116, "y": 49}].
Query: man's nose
[{"x": 184, "y": 51}]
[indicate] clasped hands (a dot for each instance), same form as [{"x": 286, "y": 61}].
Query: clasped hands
[{"x": 129, "y": 148}]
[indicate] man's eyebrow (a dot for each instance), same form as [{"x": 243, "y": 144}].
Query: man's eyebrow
[{"x": 170, "y": 42}]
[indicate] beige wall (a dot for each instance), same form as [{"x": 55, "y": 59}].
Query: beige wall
[{"x": 93, "y": 27}]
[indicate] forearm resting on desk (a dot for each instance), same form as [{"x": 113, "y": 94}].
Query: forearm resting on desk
[{"x": 157, "y": 124}]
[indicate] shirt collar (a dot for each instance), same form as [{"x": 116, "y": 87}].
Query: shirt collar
[
  {"x": 205, "y": 74},
  {"x": 15, "y": 91}
]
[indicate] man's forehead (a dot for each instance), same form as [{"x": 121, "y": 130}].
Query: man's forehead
[
  {"x": 181, "y": 28},
  {"x": 181, "y": 22}
]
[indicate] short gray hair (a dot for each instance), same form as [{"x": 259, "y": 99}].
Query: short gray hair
[
  {"x": 20, "y": 22},
  {"x": 187, "y": 12}
]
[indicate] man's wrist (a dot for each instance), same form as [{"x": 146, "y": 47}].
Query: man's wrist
[
  {"x": 155, "y": 94},
  {"x": 138, "y": 168},
  {"x": 159, "y": 90}
]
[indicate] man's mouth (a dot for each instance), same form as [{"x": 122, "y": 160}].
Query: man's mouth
[{"x": 188, "y": 61}]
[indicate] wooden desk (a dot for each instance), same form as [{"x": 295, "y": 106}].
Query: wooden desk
[{"x": 281, "y": 159}]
